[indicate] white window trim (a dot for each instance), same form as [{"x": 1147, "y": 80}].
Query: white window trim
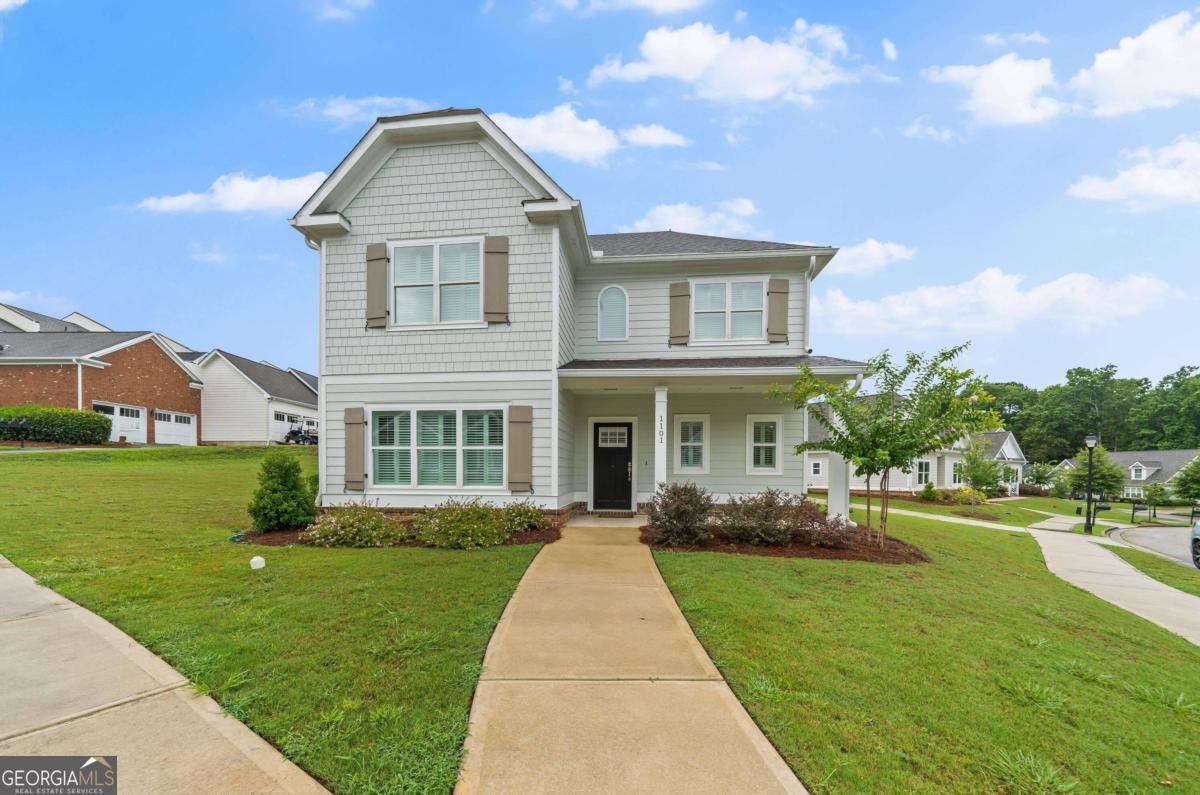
[
  {"x": 928, "y": 474},
  {"x": 392, "y": 245},
  {"x": 1134, "y": 492},
  {"x": 816, "y": 469},
  {"x": 728, "y": 282},
  {"x": 457, "y": 487},
  {"x": 705, "y": 444},
  {"x": 750, "y": 420},
  {"x": 1137, "y": 472},
  {"x": 599, "y": 325},
  {"x": 956, "y": 473}
]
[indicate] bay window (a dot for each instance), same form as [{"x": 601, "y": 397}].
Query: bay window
[
  {"x": 436, "y": 283},
  {"x": 729, "y": 309},
  {"x": 431, "y": 447}
]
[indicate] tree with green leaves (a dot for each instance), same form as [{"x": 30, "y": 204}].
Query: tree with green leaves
[
  {"x": 1186, "y": 483},
  {"x": 1040, "y": 474},
  {"x": 919, "y": 404},
  {"x": 1108, "y": 477},
  {"x": 980, "y": 470},
  {"x": 1155, "y": 494}
]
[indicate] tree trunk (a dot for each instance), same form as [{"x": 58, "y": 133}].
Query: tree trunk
[
  {"x": 868, "y": 505},
  {"x": 884, "y": 505}
]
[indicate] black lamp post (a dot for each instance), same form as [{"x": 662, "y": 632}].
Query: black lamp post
[{"x": 1089, "y": 440}]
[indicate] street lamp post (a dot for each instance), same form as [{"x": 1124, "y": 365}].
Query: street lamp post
[{"x": 1090, "y": 440}]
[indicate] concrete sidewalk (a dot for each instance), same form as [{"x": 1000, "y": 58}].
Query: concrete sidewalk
[
  {"x": 1096, "y": 570},
  {"x": 73, "y": 684},
  {"x": 594, "y": 682}
]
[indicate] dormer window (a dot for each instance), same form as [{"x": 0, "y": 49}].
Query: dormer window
[
  {"x": 613, "y": 311},
  {"x": 1137, "y": 473}
]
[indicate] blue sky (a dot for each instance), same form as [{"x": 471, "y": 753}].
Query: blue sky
[{"x": 1024, "y": 175}]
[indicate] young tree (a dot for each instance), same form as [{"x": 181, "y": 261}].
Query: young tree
[
  {"x": 1107, "y": 475},
  {"x": 1040, "y": 474},
  {"x": 1186, "y": 483},
  {"x": 921, "y": 404},
  {"x": 1155, "y": 494},
  {"x": 979, "y": 470}
]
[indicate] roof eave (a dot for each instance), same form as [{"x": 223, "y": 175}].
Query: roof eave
[{"x": 799, "y": 254}]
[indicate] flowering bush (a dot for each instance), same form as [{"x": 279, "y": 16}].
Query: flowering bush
[
  {"x": 963, "y": 495},
  {"x": 463, "y": 524},
  {"x": 352, "y": 526},
  {"x": 523, "y": 516}
]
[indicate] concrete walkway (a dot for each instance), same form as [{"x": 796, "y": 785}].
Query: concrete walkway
[
  {"x": 594, "y": 682},
  {"x": 73, "y": 684}
]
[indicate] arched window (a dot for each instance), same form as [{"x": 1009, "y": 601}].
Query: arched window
[{"x": 613, "y": 323}]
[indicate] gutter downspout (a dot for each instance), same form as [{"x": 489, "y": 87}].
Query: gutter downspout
[{"x": 79, "y": 385}]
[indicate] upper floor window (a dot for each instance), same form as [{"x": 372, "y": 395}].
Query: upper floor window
[
  {"x": 613, "y": 310},
  {"x": 1137, "y": 473},
  {"x": 729, "y": 309},
  {"x": 437, "y": 282}
]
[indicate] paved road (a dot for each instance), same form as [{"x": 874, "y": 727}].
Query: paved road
[{"x": 1174, "y": 542}]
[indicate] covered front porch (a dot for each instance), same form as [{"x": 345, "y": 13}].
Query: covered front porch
[{"x": 622, "y": 433}]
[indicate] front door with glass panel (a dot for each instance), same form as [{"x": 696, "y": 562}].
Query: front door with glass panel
[{"x": 612, "y": 466}]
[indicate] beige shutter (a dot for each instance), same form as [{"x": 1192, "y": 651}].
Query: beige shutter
[
  {"x": 355, "y": 460},
  {"x": 520, "y": 448},
  {"x": 377, "y": 285},
  {"x": 495, "y": 279},
  {"x": 681, "y": 307},
  {"x": 777, "y": 310}
]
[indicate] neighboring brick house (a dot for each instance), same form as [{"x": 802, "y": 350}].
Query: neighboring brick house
[{"x": 135, "y": 377}]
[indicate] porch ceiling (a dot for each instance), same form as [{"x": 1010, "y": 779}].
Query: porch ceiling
[{"x": 750, "y": 374}]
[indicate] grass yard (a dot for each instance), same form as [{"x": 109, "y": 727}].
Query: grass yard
[
  {"x": 1185, "y": 578},
  {"x": 1001, "y": 512},
  {"x": 359, "y": 664},
  {"x": 978, "y": 672}
]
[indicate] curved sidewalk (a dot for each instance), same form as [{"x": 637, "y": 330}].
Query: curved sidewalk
[{"x": 594, "y": 682}]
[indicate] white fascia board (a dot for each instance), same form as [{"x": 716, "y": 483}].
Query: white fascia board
[
  {"x": 238, "y": 370},
  {"x": 800, "y": 258},
  {"x": 665, "y": 372},
  {"x": 85, "y": 361},
  {"x": 174, "y": 357},
  {"x": 80, "y": 319}
]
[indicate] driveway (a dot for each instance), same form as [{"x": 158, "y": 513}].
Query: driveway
[
  {"x": 1174, "y": 542},
  {"x": 75, "y": 685}
]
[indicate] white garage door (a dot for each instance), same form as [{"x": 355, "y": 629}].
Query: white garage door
[
  {"x": 127, "y": 421},
  {"x": 171, "y": 427}
]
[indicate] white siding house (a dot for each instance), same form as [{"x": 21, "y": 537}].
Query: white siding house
[
  {"x": 249, "y": 402},
  {"x": 476, "y": 341}
]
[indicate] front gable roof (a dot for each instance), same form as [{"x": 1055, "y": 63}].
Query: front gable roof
[
  {"x": 85, "y": 347},
  {"x": 275, "y": 383}
]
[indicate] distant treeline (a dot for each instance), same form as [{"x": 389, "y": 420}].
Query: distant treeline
[{"x": 1127, "y": 413}]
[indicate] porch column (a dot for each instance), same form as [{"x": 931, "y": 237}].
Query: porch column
[
  {"x": 660, "y": 436},
  {"x": 838, "y": 498}
]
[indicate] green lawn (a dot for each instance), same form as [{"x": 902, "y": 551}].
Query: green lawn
[
  {"x": 1185, "y": 578},
  {"x": 978, "y": 672},
  {"x": 1001, "y": 512},
  {"x": 359, "y": 664}
]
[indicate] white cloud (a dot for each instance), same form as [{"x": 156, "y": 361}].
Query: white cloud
[
  {"x": 11, "y": 5},
  {"x": 567, "y": 85},
  {"x": 341, "y": 10},
  {"x": 868, "y": 257},
  {"x": 561, "y": 132},
  {"x": 889, "y": 50},
  {"x": 724, "y": 68},
  {"x": 212, "y": 254},
  {"x": 740, "y": 15},
  {"x": 1008, "y": 39},
  {"x": 653, "y": 135},
  {"x": 654, "y": 6},
  {"x": 1159, "y": 68},
  {"x": 919, "y": 128},
  {"x": 355, "y": 110},
  {"x": 731, "y": 217},
  {"x": 240, "y": 193},
  {"x": 36, "y": 301},
  {"x": 1169, "y": 175},
  {"x": 1006, "y": 91},
  {"x": 994, "y": 301}
]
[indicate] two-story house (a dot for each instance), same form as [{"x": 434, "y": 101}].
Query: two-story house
[
  {"x": 476, "y": 341},
  {"x": 1143, "y": 468}
]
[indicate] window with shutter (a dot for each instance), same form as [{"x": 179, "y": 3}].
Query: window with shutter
[
  {"x": 483, "y": 448},
  {"x": 450, "y": 447},
  {"x": 729, "y": 310},
  {"x": 391, "y": 453},
  {"x": 437, "y": 282}
]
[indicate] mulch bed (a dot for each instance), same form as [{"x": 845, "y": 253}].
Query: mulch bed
[
  {"x": 288, "y": 538},
  {"x": 893, "y": 551}
]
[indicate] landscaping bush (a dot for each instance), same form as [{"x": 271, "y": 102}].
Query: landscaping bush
[
  {"x": 353, "y": 526},
  {"x": 1059, "y": 489},
  {"x": 62, "y": 426},
  {"x": 678, "y": 514},
  {"x": 776, "y": 518},
  {"x": 282, "y": 501},
  {"x": 816, "y": 529},
  {"x": 963, "y": 495},
  {"x": 929, "y": 493},
  {"x": 1032, "y": 490},
  {"x": 523, "y": 516},
  {"x": 463, "y": 524}
]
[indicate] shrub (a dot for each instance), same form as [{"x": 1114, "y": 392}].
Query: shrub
[
  {"x": 352, "y": 526},
  {"x": 765, "y": 518},
  {"x": 462, "y": 524},
  {"x": 1033, "y": 490},
  {"x": 1059, "y": 489},
  {"x": 963, "y": 495},
  {"x": 281, "y": 501},
  {"x": 523, "y": 516},
  {"x": 678, "y": 514},
  {"x": 929, "y": 493},
  {"x": 62, "y": 426}
]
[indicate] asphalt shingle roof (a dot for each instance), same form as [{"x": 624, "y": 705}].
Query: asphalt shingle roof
[
  {"x": 61, "y": 344},
  {"x": 633, "y": 244},
  {"x": 1163, "y": 464},
  {"x": 307, "y": 378},
  {"x": 46, "y": 322},
  {"x": 715, "y": 363},
  {"x": 275, "y": 382}
]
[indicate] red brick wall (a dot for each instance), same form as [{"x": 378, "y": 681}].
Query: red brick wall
[
  {"x": 143, "y": 375},
  {"x": 41, "y": 384}
]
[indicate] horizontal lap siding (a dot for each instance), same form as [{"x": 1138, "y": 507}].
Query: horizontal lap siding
[
  {"x": 649, "y": 319},
  {"x": 566, "y": 309},
  {"x": 339, "y": 396},
  {"x": 234, "y": 410},
  {"x": 566, "y": 445}
]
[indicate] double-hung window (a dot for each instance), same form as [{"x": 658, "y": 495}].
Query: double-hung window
[
  {"x": 763, "y": 436},
  {"x": 431, "y": 447},
  {"x": 1137, "y": 473},
  {"x": 729, "y": 309},
  {"x": 437, "y": 283},
  {"x": 956, "y": 476},
  {"x": 815, "y": 468},
  {"x": 691, "y": 444},
  {"x": 922, "y": 473}
]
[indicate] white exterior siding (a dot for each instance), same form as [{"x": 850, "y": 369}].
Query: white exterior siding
[
  {"x": 279, "y": 429},
  {"x": 343, "y": 393},
  {"x": 566, "y": 447},
  {"x": 649, "y": 315},
  {"x": 566, "y": 309},
  {"x": 434, "y": 191},
  {"x": 232, "y": 409}
]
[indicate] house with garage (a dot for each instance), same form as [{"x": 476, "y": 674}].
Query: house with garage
[
  {"x": 476, "y": 341},
  {"x": 134, "y": 377},
  {"x": 249, "y": 402},
  {"x": 1143, "y": 468}
]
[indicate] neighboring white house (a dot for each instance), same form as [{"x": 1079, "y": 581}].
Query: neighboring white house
[
  {"x": 249, "y": 402},
  {"x": 476, "y": 341},
  {"x": 1144, "y": 467},
  {"x": 942, "y": 468}
]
